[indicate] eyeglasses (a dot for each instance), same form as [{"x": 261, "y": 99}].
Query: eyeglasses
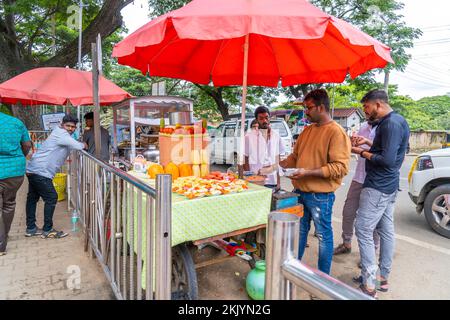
[{"x": 309, "y": 108}]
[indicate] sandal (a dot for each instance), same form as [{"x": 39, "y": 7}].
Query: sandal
[
  {"x": 53, "y": 234},
  {"x": 342, "y": 249},
  {"x": 383, "y": 286},
  {"x": 370, "y": 293}
]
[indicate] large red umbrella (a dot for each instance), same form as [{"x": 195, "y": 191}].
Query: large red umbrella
[
  {"x": 58, "y": 86},
  {"x": 289, "y": 40},
  {"x": 251, "y": 42}
]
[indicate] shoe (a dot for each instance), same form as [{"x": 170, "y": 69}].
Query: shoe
[
  {"x": 358, "y": 280},
  {"x": 33, "y": 232},
  {"x": 342, "y": 249},
  {"x": 370, "y": 293},
  {"x": 53, "y": 234},
  {"x": 2, "y": 253}
]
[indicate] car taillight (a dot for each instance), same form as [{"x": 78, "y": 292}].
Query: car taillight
[{"x": 424, "y": 163}]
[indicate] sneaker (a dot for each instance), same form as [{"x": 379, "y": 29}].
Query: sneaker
[
  {"x": 370, "y": 293},
  {"x": 53, "y": 234},
  {"x": 358, "y": 280},
  {"x": 33, "y": 232}
]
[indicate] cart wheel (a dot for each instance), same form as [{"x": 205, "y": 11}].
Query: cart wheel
[{"x": 184, "y": 276}]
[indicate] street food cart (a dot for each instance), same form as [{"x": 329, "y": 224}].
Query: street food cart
[{"x": 140, "y": 119}]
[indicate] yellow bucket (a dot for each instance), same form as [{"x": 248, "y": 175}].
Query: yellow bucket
[{"x": 60, "y": 182}]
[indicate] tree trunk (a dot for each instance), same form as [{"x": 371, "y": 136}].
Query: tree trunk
[{"x": 386, "y": 81}]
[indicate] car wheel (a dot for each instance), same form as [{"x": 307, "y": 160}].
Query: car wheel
[{"x": 437, "y": 209}]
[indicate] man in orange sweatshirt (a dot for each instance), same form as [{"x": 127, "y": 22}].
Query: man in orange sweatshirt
[{"x": 321, "y": 156}]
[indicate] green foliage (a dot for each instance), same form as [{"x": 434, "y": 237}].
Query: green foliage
[
  {"x": 5, "y": 109},
  {"x": 42, "y": 25}
]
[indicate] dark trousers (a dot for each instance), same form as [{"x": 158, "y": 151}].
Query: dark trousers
[
  {"x": 40, "y": 187},
  {"x": 8, "y": 191}
]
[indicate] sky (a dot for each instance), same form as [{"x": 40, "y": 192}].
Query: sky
[{"x": 428, "y": 73}]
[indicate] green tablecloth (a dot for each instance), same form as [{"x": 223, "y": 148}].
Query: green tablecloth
[{"x": 210, "y": 216}]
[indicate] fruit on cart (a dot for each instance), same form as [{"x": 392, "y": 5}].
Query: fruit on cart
[
  {"x": 195, "y": 157},
  {"x": 204, "y": 169},
  {"x": 204, "y": 123},
  {"x": 171, "y": 168},
  {"x": 185, "y": 170},
  {"x": 178, "y": 126},
  {"x": 194, "y": 187},
  {"x": 217, "y": 175},
  {"x": 155, "y": 169},
  {"x": 162, "y": 124},
  {"x": 196, "y": 172},
  {"x": 205, "y": 156}
]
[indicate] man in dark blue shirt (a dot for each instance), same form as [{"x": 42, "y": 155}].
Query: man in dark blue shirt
[{"x": 377, "y": 200}]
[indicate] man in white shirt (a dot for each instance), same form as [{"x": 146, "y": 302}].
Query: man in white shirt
[
  {"x": 367, "y": 130},
  {"x": 263, "y": 148}
]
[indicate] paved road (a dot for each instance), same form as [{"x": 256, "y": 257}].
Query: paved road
[{"x": 420, "y": 269}]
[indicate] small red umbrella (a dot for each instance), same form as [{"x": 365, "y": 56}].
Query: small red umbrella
[
  {"x": 58, "y": 86},
  {"x": 251, "y": 42}
]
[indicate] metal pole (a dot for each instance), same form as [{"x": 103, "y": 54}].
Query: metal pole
[
  {"x": 132, "y": 132},
  {"x": 95, "y": 75},
  {"x": 282, "y": 244},
  {"x": 244, "y": 102},
  {"x": 163, "y": 238},
  {"x": 318, "y": 283}
]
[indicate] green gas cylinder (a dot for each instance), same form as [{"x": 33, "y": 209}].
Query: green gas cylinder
[{"x": 255, "y": 282}]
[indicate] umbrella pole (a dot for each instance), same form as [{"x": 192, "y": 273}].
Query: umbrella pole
[{"x": 244, "y": 102}]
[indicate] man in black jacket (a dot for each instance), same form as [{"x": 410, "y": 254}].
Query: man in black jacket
[{"x": 380, "y": 188}]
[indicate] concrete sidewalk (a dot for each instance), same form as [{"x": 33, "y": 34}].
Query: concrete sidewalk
[{"x": 36, "y": 268}]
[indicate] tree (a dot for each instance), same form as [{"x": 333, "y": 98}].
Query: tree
[
  {"x": 381, "y": 20},
  {"x": 38, "y": 34}
]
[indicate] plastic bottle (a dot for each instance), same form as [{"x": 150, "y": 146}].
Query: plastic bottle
[
  {"x": 74, "y": 220},
  {"x": 255, "y": 282}
]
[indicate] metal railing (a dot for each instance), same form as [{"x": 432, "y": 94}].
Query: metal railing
[
  {"x": 284, "y": 272},
  {"x": 126, "y": 224}
]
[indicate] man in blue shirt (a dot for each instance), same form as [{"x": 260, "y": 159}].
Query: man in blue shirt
[
  {"x": 40, "y": 173},
  {"x": 380, "y": 188},
  {"x": 14, "y": 146}
]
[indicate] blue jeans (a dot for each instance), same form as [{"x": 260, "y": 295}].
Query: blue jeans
[
  {"x": 376, "y": 212},
  {"x": 40, "y": 187},
  {"x": 318, "y": 207}
]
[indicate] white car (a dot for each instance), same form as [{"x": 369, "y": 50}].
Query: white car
[
  {"x": 226, "y": 138},
  {"x": 429, "y": 188}
]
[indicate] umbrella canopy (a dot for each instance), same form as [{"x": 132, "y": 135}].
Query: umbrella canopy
[
  {"x": 58, "y": 86},
  {"x": 290, "y": 41}
]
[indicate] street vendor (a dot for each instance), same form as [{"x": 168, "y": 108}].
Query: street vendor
[
  {"x": 321, "y": 156},
  {"x": 263, "y": 148}
]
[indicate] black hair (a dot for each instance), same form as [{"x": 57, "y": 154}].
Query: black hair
[
  {"x": 261, "y": 109},
  {"x": 375, "y": 94},
  {"x": 319, "y": 97},
  {"x": 69, "y": 118},
  {"x": 254, "y": 121},
  {"x": 89, "y": 116}
]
